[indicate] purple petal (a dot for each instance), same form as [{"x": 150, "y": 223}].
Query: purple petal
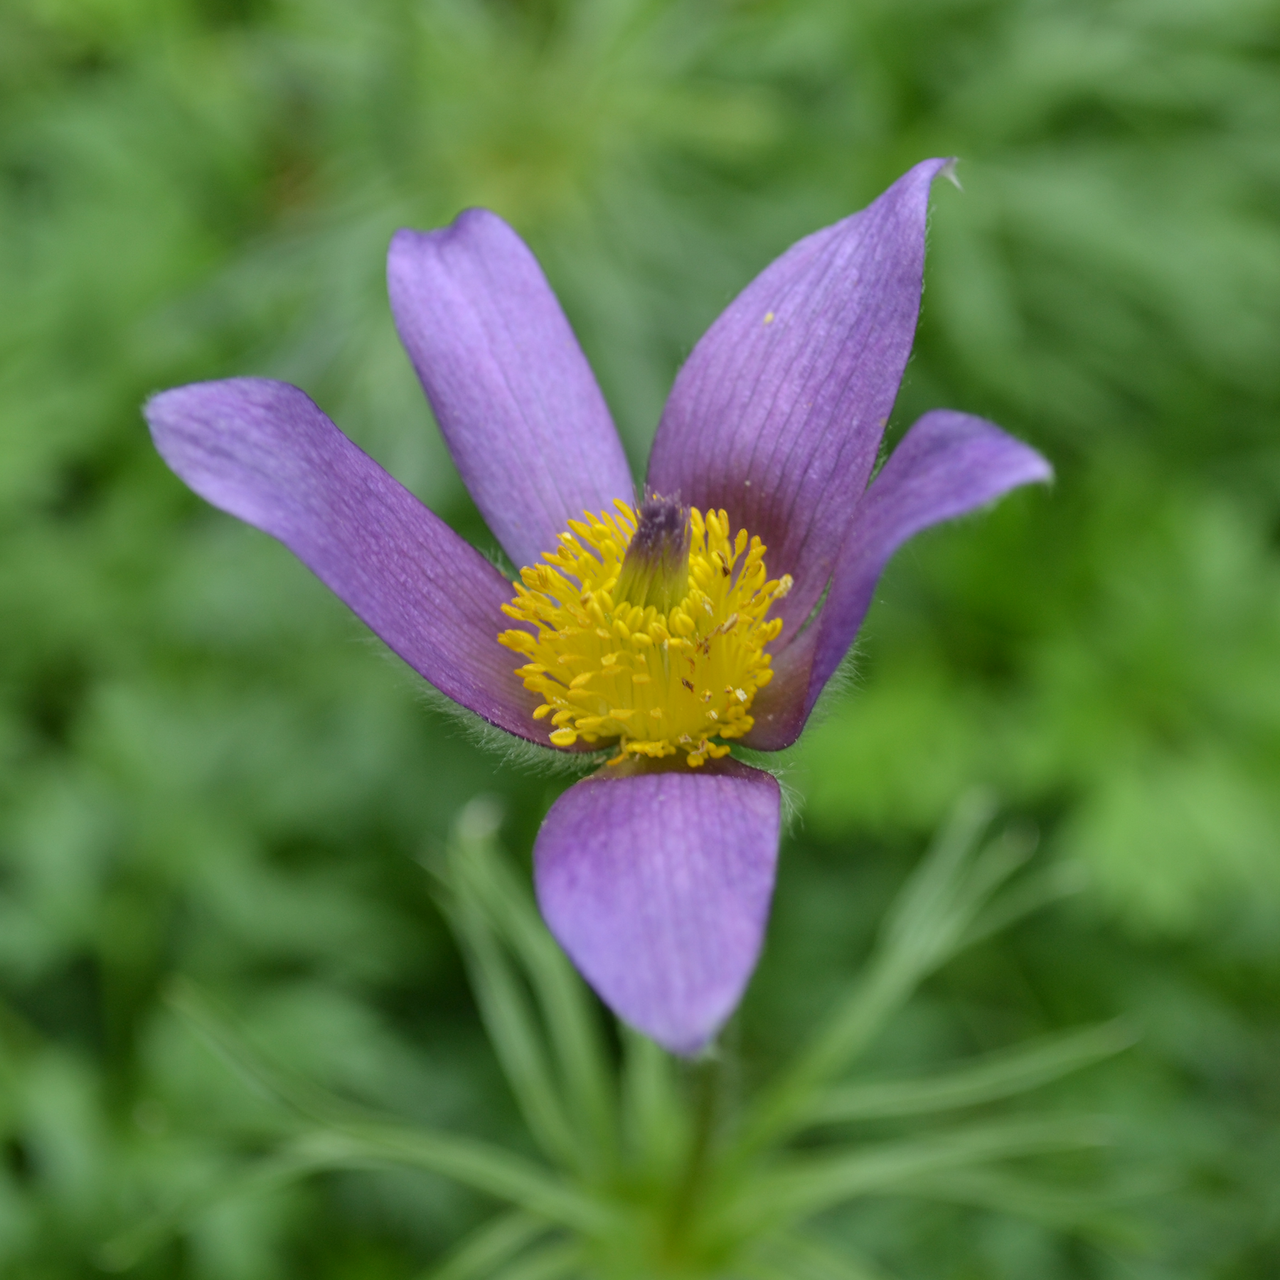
[
  {"x": 777, "y": 415},
  {"x": 948, "y": 464},
  {"x": 264, "y": 452},
  {"x": 513, "y": 394},
  {"x": 658, "y": 887}
]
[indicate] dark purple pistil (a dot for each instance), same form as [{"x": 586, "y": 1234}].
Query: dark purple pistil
[{"x": 655, "y": 570}]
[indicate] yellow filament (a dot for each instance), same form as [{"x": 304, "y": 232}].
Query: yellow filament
[{"x": 656, "y": 683}]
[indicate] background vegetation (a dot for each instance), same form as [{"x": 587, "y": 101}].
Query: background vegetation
[{"x": 207, "y": 769}]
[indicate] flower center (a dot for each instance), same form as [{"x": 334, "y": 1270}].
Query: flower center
[{"x": 648, "y": 629}]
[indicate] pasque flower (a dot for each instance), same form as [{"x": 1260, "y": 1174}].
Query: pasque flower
[{"x": 712, "y": 612}]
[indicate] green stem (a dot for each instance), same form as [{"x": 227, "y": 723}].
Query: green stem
[{"x": 706, "y": 1082}]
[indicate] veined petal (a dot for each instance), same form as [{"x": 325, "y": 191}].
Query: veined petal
[
  {"x": 778, "y": 413},
  {"x": 264, "y": 452},
  {"x": 948, "y": 464},
  {"x": 658, "y": 887},
  {"x": 514, "y": 396}
]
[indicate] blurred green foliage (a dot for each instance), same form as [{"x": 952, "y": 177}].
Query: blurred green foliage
[{"x": 203, "y": 773}]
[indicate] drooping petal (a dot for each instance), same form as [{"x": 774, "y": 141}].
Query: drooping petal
[
  {"x": 948, "y": 464},
  {"x": 658, "y": 887},
  {"x": 264, "y": 452},
  {"x": 514, "y": 396},
  {"x": 778, "y": 413}
]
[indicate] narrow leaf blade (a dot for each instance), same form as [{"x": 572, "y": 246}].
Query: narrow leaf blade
[{"x": 999, "y": 1075}]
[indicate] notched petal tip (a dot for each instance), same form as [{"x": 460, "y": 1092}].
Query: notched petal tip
[{"x": 658, "y": 887}]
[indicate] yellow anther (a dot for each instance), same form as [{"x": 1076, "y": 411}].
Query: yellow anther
[{"x": 615, "y": 662}]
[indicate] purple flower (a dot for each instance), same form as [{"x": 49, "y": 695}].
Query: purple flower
[{"x": 663, "y": 632}]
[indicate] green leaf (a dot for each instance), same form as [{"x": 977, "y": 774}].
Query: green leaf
[
  {"x": 481, "y": 873},
  {"x": 805, "y": 1187},
  {"x": 265, "y": 1078},
  {"x": 927, "y": 924},
  {"x": 513, "y": 1029},
  {"x": 348, "y": 1134},
  {"x": 999, "y": 1075},
  {"x": 1028, "y": 895},
  {"x": 933, "y": 888},
  {"x": 479, "y": 1165},
  {"x": 296, "y": 1161},
  {"x": 798, "y": 1256},
  {"x": 1026, "y": 1197},
  {"x": 490, "y": 1246},
  {"x": 547, "y": 1264}
]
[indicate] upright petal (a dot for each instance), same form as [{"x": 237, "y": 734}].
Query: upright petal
[
  {"x": 264, "y": 452},
  {"x": 658, "y": 887},
  {"x": 514, "y": 396},
  {"x": 778, "y": 413},
  {"x": 946, "y": 465}
]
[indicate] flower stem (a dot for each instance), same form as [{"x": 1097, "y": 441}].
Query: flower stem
[{"x": 706, "y": 1078}]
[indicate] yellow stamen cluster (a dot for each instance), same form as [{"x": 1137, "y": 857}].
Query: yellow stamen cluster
[{"x": 657, "y": 682}]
